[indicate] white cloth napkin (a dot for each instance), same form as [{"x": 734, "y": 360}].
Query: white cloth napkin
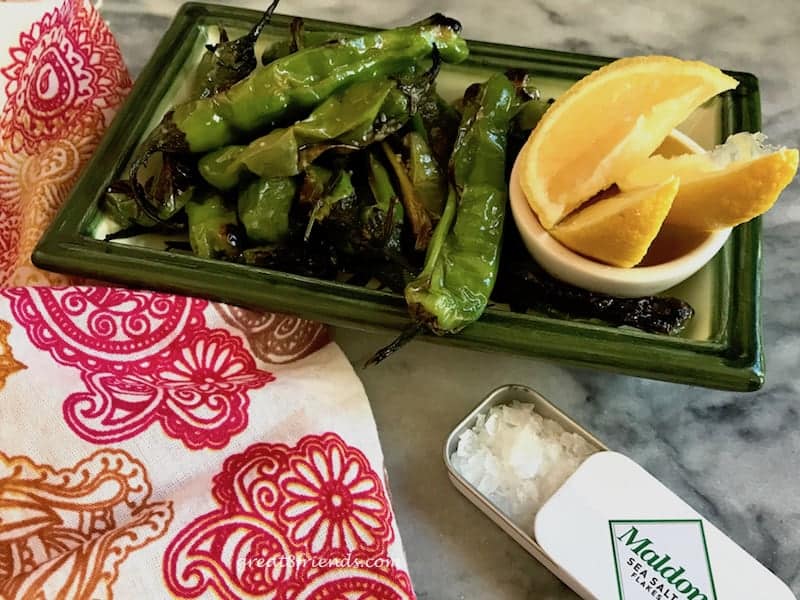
[{"x": 154, "y": 446}]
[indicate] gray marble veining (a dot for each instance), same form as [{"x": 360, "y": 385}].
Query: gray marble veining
[{"x": 734, "y": 457}]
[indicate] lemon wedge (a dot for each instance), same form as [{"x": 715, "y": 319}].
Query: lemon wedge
[
  {"x": 606, "y": 125},
  {"x": 724, "y": 187},
  {"x": 619, "y": 229}
]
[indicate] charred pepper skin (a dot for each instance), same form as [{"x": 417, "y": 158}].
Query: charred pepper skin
[
  {"x": 295, "y": 84},
  {"x": 352, "y": 119},
  {"x": 463, "y": 256},
  {"x": 229, "y": 61},
  {"x": 280, "y": 152},
  {"x": 525, "y": 285},
  {"x": 213, "y": 227},
  {"x": 383, "y": 220}
]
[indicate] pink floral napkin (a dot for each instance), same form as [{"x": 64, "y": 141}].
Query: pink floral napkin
[
  {"x": 156, "y": 446},
  {"x": 61, "y": 80},
  {"x": 151, "y": 445}
]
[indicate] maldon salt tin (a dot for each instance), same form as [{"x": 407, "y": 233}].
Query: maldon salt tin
[{"x": 612, "y": 531}]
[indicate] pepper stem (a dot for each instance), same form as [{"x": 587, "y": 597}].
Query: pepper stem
[
  {"x": 255, "y": 32},
  {"x": 408, "y": 334}
]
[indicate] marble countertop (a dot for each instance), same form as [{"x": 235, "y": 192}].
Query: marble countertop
[{"x": 734, "y": 457}]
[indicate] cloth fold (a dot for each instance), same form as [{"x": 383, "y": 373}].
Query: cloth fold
[{"x": 153, "y": 445}]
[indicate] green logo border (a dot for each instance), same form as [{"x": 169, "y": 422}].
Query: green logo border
[{"x": 611, "y": 523}]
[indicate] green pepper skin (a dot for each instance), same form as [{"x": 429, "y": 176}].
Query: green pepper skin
[
  {"x": 438, "y": 122},
  {"x": 348, "y": 119},
  {"x": 531, "y": 112},
  {"x": 374, "y": 217},
  {"x": 120, "y": 203},
  {"x": 464, "y": 253},
  {"x": 263, "y": 207},
  {"x": 167, "y": 192},
  {"x": 339, "y": 193},
  {"x": 213, "y": 227},
  {"x": 425, "y": 174},
  {"x": 315, "y": 182},
  {"x": 299, "y": 82},
  {"x": 418, "y": 215},
  {"x": 223, "y": 169}
]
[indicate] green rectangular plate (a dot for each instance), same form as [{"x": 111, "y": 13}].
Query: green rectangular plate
[{"x": 721, "y": 348}]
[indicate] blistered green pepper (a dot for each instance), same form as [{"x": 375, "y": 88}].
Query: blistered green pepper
[
  {"x": 531, "y": 112},
  {"x": 213, "y": 227},
  {"x": 438, "y": 122},
  {"x": 422, "y": 182},
  {"x": 166, "y": 193},
  {"x": 229, "y": 61},
  {"x": 315, "y": 182},
  {"x": 295, "y": 84},
  {"x": 263, "y": 207},
  {"x": 277, "y": 154},
  {"x": 121, "y": 204},
  {"x": 418, "y": 215},
  {"x": 461, "y": 265},
  {"x": 354, "y": 118}
]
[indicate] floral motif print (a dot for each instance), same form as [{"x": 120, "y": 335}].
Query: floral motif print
[
  {"x": 63, "y": 81},
  {"x": 144, "y": 357},
  {"x": 280, "y": 506},
  {"x": 8, "y": 364},
  {"x": 334, "y": 504},
  {"x": 276, "y": 338},
  {"x": 66, "y": 532}
]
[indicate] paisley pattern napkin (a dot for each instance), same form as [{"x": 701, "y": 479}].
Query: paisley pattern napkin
[
  {"x": 61, "y": 80},
  {"x": 156, "y": 446},
  {"x": 151, "y": 445}
]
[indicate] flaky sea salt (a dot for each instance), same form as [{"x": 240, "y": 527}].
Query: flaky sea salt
[{"x": 518, "y": 459}]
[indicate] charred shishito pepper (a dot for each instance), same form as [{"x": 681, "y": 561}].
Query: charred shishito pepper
[
  {"x": 263, "y": 207},
  {"x": 292, "y": 86},
  {"x": 229, "y": 61},
  {"x": 361, "y": 114},
  {"x": 524, "y": 285},
  {"x": 464, "y": 254}
]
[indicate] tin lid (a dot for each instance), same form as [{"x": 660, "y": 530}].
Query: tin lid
[{"x": 620, "y": 533}]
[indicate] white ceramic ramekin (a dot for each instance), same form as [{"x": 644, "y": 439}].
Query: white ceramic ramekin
[{"x": 563, "y": 263}]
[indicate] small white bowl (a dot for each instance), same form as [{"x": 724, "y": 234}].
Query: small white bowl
[{"x": 568, "y": 266}]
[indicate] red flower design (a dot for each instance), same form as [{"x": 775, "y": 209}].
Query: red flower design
[
  {"x": 143, "y": 357},
  {"x": 333, "y": 500},
  {"x": 260, "y": 541},
  {"x": 207, "y": 383}
]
